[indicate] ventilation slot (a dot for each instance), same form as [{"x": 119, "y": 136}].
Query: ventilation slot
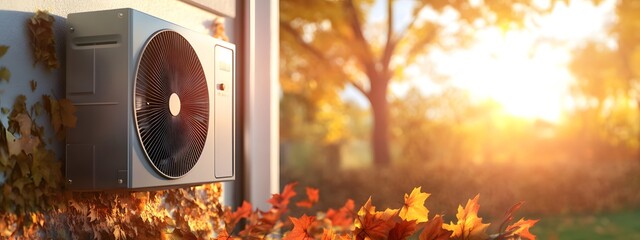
[{"x": 103, "y": 41}]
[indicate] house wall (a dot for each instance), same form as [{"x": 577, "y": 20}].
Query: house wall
[{"x": 14, "y": 15}]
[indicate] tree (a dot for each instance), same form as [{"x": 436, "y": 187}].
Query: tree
[
  {"x": 326, "y": 44},
  {"x": 608, "y": 78}
]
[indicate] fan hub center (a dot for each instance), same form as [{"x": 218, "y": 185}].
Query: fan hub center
[{"x": 174, "y": 104}]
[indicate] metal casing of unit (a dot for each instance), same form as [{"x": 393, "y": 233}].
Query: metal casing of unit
[{"x": 103, "y": 152}]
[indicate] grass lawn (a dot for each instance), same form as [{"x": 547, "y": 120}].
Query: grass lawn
[{"x": 611, "y": 226}]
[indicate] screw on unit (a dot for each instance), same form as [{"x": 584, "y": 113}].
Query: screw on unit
[
  {"x": 120, "y": 181},
  {"x": 70, "y": 181},
  {"x": 71, "y": 29},
  {"x": 120, "y": 15}
]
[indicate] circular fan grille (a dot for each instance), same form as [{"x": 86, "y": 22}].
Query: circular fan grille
[{"x": 171, "y": 104}]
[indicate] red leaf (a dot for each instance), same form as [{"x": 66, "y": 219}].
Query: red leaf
[
  {"x": 402, "y": 230},
  {"x": 433, "y": 230},
  {"x": 373, "y": 225},
  {"x": 344, "y": 216},
  {"x": 232, "y": 218},
  {"x": 281, "y": 201},
  {"x": 301, "y": 228},
  {"x": 312, "y": 198}
]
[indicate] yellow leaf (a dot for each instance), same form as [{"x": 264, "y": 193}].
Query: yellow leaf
[
  {"x": 469, "y": 225},
  {"x": 414, "y": 208},
  {"x": 3, "y": 50},
  {"x": 5, "y": 74}
]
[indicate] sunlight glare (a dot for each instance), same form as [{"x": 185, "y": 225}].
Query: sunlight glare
[{"x": 525, "y": 71}]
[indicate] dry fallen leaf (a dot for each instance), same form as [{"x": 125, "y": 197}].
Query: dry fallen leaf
[
  {"x": 42, "y": 39},
  {"x": 5, "y": 74},
  {"x": 26, "y": 143},
  {"x": 433, "y": 230},
  {"x": 3, "y": 50}
]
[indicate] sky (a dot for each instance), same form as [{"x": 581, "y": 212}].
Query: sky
[{"x": 525, "y": 70}]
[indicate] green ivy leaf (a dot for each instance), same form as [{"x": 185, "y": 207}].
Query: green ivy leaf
[
  {"x": 5, "y": 74},
  {"x": 5, "y": 110},
  {"x": 3, "y": 50}
]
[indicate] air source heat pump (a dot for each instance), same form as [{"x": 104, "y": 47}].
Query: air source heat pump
[{"x": 155, "y": 103}]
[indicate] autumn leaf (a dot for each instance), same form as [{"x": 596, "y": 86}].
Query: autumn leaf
[
  {"x": 232, "y": 218},
  {"x": 402, "y": 230},
  {"x": 62, "y": 113},
  {"x": 42, "y": 39},
  {"x": 67, "y": 113},
  {"x": 33, "y": 84},
  {"x": 19, "y": 107},
  {"x": 5, "y": 74},
  {"x": 414, "y": 208},
  {"x": 373, "y": 225},
  {"x": 26, "y": 143},
  {"x": 328, "y": 234},
  {"x": 281, "y": 201},
  {"x": 301, "y": 228},
  {"x": 433, "y": 230},
  {"x": 469, "y": 225},
  {"x": 520, "y": 229},
  {"x": 312, "y": 198},
  {"x": 3, "y": 50},
  {"x": 344, "y": 216}
]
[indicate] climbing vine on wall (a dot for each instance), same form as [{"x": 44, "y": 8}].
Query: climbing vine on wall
[{"x": 34, "y": 203}]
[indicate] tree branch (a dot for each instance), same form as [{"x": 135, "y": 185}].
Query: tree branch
[
  {"x": 297, "y": 37},
  {"x": 391, "y": 41},
  {"x": 364, "y": 47},
  {"x": 413, "y": 21},
  {"x": 320, "y": 55},
  {"x": 359, "y": 87}
]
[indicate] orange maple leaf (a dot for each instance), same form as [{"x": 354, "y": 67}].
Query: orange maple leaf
[
  {"x": 344, "y": 216},
  {"x": 521, "y": 229},
  {"x": 402, "y": 230},
  {"x": 281, "y": 201},
  {"x": 232, "y": 218},
  {"x": 433, "y": 230},
  {"x": 327, "y": 234},
  {"x": 414, "y": 208},
  {"x": 312, "y": 198},
  {"x": 301, "y": 228},
  {"x": 373, "y": 225},
  {"x": 469, "y": 225}
]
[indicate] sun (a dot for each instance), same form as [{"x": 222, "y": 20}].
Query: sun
[
  {"x": 526, "y": 70},
  {"x": 527, "y": 81}
]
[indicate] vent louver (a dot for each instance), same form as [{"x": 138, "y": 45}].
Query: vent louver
[{"x": 171, "y": 104}]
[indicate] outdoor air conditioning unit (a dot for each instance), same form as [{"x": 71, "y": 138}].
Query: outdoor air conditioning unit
[{"x": 155, "y": 103}]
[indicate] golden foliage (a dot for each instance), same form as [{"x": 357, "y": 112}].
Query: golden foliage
[
  {"x": 469, "y": 225},
  {"x": 414, "y": 208}
]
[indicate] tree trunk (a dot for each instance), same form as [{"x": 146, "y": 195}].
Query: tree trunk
[{"x": 380, "y": 131}]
